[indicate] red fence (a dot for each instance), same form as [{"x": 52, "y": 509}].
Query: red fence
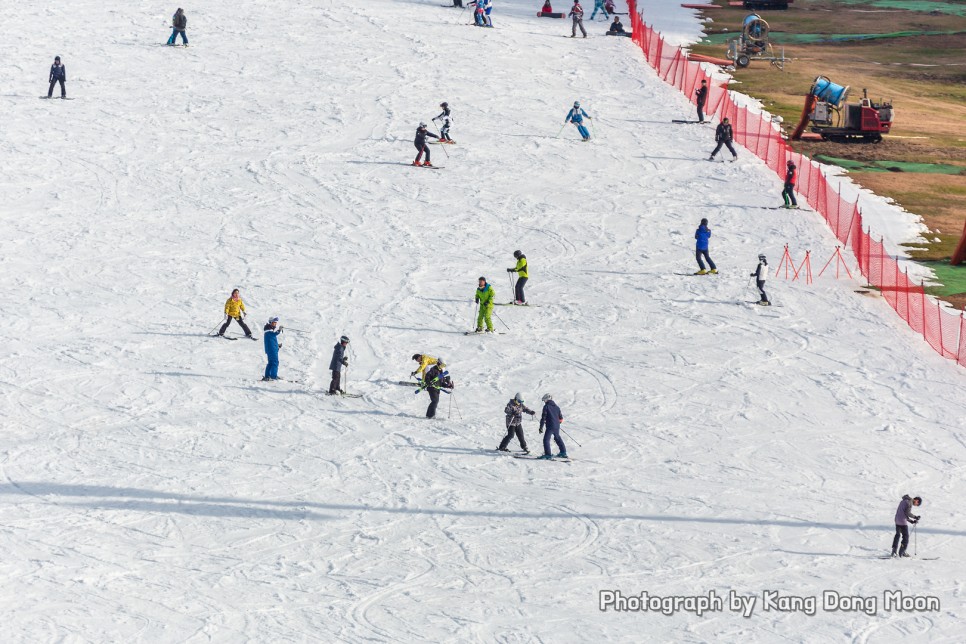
[{"x": 944, "y": 330}]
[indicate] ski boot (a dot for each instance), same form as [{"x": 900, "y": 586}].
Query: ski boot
[
  {"x": 427, "y": 164},
  {"x": 561, "y": 455},
  {"x": 545, "y": 457},
  {"x": 502, "y": 449},
  {"x": 713, "y": 271},
  {"x": 702, "y": 272}
]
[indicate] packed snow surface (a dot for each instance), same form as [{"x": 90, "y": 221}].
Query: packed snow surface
[{"x": 154, "y": 490}]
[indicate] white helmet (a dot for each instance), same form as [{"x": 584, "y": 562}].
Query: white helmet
[
  {"x": 546, "y": 397},
  {"x": 518, "y": 397}
]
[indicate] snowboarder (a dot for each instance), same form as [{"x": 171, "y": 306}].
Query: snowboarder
[
  {"x": 577, "y": 14},
  {"x": 446, "y": 117},
  {"x": 485, "y": 296},
  {"x": 424, "y": 362},
  {"x": 701, "y": 98},
  {"x": 791, "y": 176},
  {"x": 576, "y": 115},
  {"x": 436, "y": 378},
  {"x": 701, "y": 236},
  {"x": 599, "y": 5},
  {"x": 724, "y": 135},
  {"x": 420, "y": 143},
  {"x": 179, "y": 22},
  {"x": 904, "y": 517},
  {"x": 514, "y": 411},
  {"x": 58, "y": 74},
  {"x": 760, "y": 275},
  {"x": 523, "y": 275},
  {"x": 617, "y": 28},
  {"x": 338, "y": 361},
  {"x": 235, "y": 310},
  {"x": 272, "y": 345},
  {"x": 551, "y": 419}
]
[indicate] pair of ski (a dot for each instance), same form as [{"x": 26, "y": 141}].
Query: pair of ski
[
  {"x": 531, "y": 457},
  {"x": 512, "y": 304},
  {"x": 228, "y": 337},
  {"x": 427, "y": 167},
  {"x": 484, "y": 332},
  {"x": 919, "y": 558}
]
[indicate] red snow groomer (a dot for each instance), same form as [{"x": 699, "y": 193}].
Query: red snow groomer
[{"x": 832, "y": 119}]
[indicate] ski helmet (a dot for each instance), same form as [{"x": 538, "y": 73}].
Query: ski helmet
[
  {"x": 704, "y": 221},
  {"x": 417, "y": 357},
  {"x": 761, "y": 258},
  {"x": 440, "y": 363},
  {"x": 345, "y": 339},
  {"x": 482, "y": 279},
  {"x": 518, "y": 254},
  {"x": 518, "y": 397},
  {"x": 444, "y": 104},
  {"x": 422, "y": 124},
  {"x": 273, "y": 320},
  {"x": 546, "y": 397},
  {"x": 917, "y": 498},
  {"x": 576, "y": 103},
  {"x": 791, "y": 164}
]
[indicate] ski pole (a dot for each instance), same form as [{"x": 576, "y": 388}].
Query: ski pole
[
  {"x": 476, "y": 315},
  {"x": 570, "y": 437},
  {"x": 501, "y": 320},
  {"x": 453, "y": 397},
  {"x": 212, "y": 332},
  {"x": 512, "y": 290},
  {"x": 560, "y": 130},
  {"x": 440, "y": 138},
  {"x": 915, "y": 538}
]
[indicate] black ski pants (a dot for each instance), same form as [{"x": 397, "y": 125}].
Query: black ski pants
[
  {"x": 902, "y": 531},
  {"x": 521, "y": 282},
  {"x": 241, "y": 323},
  {"x": 433, "y": 401},
  {"x": 731, "y": 148},
  {"x": 511, "y": 431},
  {"x": 423, "y": 148},
  {"x": 698, "y": 254},
  {"x": 701, "y": 111},
  {"x": 761, "y": 288},
  {"x": 63, "y": 88},
  {"x": 788, "y": 194},
  {"x": 335, "y": 386}
]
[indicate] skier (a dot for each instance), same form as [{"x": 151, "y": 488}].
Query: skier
[
  {"x": 58, "y": 74},
  {"x": 478, "y": 13},
  {"x": 551, "y": 419},
  {"x": 576, "y": 116},
  {"x": 514, "y": 411},
  {"x": 904, "y": 517},
  {"x": 446, "y": 117},
  {"x": 436, "y": 378},
  {"x": 420, "y": 143},
  {"x": 179, "y": 22},
  {"x": 272, "y": 345},
  {"x": 724, "y": 135},
  {"x": 523, "y": 275},
  {"x": 487, "y": 8},
  {"x": 701, "y": 97},
  {"x": 338, "y": 361},
  {"x": 616, "y": 28},
  {"x": 702, "y": 235},
  {"x": 424, "y": 362},
  {"x": 235, "y": 310},
  {"x": 485, "y": 296},
  {"x": 791, "y": 176},
  {"x": 760, "y": 275},
  {"x": 599, "y": 5},
  {"x": 577, "y": 14},
  {"x": 609, "y": 5}
]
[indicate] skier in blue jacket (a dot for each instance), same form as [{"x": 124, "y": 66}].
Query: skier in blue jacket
[
  {"x": 272, "y": 345},
  {"x": 551, "y": 419},
  {"x": 338, "y": 361},
  {"x": 58, "y": 74},
  {"x": 701, "y": 236},
  {"x": 576, "y": 116}
]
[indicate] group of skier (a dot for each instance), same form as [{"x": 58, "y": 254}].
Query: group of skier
[{"x": 702, "y": 236}]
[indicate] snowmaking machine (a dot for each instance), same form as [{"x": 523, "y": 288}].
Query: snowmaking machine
[
  {"x": 832, "y": 119},
  {"x": 753, "y": 44}
]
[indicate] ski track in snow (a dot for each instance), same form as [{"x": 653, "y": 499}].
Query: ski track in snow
[{"x": 153, "y": 490}]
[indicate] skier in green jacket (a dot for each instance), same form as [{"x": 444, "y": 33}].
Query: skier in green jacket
[
  {"x": 485, "y": 296},
  {"x": 522, "y": 275}
]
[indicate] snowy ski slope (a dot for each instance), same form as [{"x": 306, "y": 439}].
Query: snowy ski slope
[{"x": 153, "y": 490}]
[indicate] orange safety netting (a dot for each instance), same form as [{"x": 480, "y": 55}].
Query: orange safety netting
[{"x": 944, "y": 330}]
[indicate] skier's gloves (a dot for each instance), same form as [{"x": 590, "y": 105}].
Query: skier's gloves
[{"x": 345, "y": 362}]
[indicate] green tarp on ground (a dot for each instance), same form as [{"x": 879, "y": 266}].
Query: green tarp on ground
[
  {"x": 891, "y": 166},
  {"x": 953, "y": 278}
]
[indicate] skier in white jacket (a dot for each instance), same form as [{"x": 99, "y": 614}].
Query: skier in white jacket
[{"x": 760, "y": 275}]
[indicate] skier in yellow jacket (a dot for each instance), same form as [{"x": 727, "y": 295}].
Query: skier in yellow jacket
[
  {"x": 424, "y": 362},
  {"x": 485, "y": 296},
  {"x": 522, "y": 275},
  {"x": 235, "y": 310}
]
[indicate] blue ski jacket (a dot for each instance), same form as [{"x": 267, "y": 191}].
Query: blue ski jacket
[
  {"x": 576, "y": 115},
  {"x": 271, "y": 340},
  {"x": 702, "y": 235},
  {"x": 551, "y": 417},
  {"x": 338, "y": 357}
]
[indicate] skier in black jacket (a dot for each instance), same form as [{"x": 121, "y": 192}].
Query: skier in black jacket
[
  {"x": 338, "y": 361},
  {"x": 701, "y": 97},
  {"x": 724, "y": 135},
  {"x": 179, "y": 22},
  {"x": 420, "y": 143},
  {"x": 434, "y": 381},
  {"x": 58, "y": 74},
  {"x": 514, "y": 411}
]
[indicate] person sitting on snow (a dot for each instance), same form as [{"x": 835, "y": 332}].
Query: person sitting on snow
[{"x": 546, "y": 7}]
